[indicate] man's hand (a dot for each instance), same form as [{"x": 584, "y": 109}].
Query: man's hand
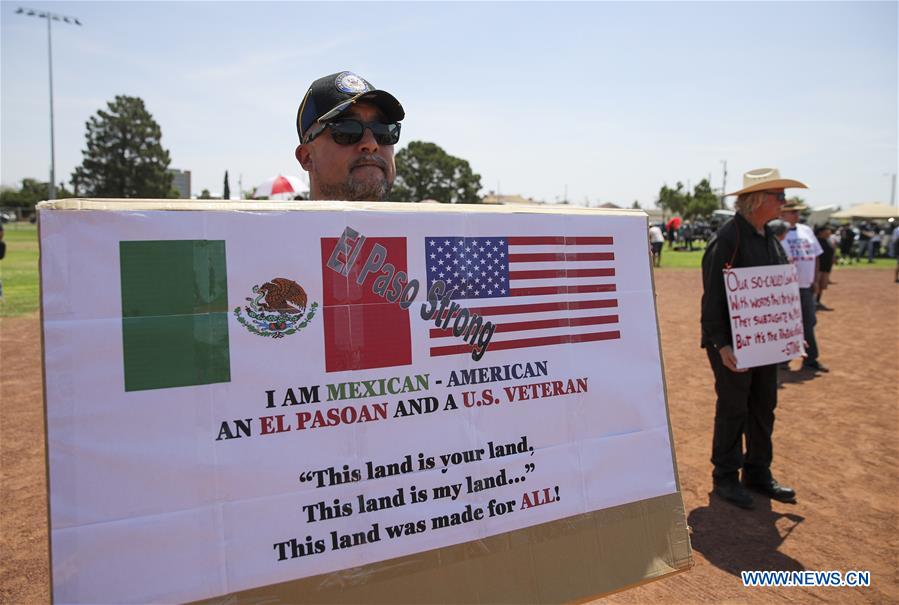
[{"x": 729, "y": 359}]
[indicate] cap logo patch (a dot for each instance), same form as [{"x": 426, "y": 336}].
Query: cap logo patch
[{"x": 349, "y": 83}]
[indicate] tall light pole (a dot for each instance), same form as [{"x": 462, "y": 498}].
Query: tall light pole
[
  {"x": 50, "y": 17},
  {"x": 723, "y": 184},
  {"x": 892, "y": 176}
]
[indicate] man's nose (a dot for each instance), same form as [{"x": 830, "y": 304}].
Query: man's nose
[{"x": 367, "y": 143}]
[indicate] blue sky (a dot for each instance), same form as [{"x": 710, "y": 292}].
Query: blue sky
[{"x": 610, "y": 100}]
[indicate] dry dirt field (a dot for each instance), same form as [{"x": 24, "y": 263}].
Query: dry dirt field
[{"x": 836, "y": 441}]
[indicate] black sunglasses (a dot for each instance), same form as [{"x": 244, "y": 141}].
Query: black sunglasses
[
  {"x": 781, "y": 197},
  {"x": 349, "y": 131}
]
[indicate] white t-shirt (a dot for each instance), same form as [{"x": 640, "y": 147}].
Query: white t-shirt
[
  {"x": 802, "y": 248},
  {"x": 655, "y": 235}
]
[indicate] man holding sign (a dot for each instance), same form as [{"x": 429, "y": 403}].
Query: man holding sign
[{"x": 746, "y": 396}]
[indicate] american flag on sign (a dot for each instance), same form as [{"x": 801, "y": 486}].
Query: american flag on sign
[{"x": 537, "y": 290}]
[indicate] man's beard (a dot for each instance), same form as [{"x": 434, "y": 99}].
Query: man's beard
[{"x": 353, "y": 190}]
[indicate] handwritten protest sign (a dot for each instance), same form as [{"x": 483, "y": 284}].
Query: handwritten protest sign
[
  {"x": 239, "y": 399},
  {"x": 765, "y": 314}
]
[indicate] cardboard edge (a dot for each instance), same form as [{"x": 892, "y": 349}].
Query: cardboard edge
[
  {"x": 676, "y": 572},
  {"x": 655, "y": 304},
  {"x": 502, "y": 568},
  {"x": 40, "y": 246},
  {"x": 333, "y": 583},
  {"x": 320, "y": 206}
]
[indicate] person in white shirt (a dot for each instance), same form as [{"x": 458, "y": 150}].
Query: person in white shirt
[
  {"x": 803, "y": 250},
  {"x": 656, "y": 241}
]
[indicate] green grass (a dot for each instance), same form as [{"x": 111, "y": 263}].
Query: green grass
[
  {"x": 679, "y": 259},
  {"x": 19, "y": 271}
]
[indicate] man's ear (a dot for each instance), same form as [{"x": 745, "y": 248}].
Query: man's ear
[{"x": 304, "y": 157}]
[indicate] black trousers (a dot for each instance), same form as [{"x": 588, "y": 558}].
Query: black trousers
[
  {"x": 746, "y": 402},
  {"x": 809, "y": 320}
]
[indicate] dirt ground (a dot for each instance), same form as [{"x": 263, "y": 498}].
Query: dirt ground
[{"x": 836, "y": 441}]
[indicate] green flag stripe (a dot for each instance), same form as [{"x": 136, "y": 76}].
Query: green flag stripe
[
  {"x": 177, "y": 277},
  {"x": 174, "y": 313}
]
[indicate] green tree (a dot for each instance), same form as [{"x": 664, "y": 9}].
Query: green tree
[
  {"x": 673, "y": 200},
  {"x": 226, "y": 192},
  {"x": 698, "y": 204},
  {"x": 425, "y": 171},
  {"x": 205, "y": 195},
  {"x": 30, "y": 193},
  {"x": 124, "y": 156},
  {"x": 703, "y": 202}
]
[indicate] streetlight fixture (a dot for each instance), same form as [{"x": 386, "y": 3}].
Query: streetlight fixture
[
  {"x": 50, "y": 17},
  {"x": 892, "y": 176}
]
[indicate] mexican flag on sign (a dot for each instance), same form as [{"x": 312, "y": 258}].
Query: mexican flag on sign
[{"x": 174, "y": 313}]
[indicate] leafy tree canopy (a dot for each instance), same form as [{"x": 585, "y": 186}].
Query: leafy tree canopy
[
  {"x": 698, "y": 204},
  {"x": 673, "y": 200},
  {"x": 703, "y": 202},
  {"x": 425, "y": 171},
  {"x": 31, "y": 192},
  {"x": 123, "y": 155}
]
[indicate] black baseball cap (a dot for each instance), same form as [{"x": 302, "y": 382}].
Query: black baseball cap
[{"x": 330, "y": 96}]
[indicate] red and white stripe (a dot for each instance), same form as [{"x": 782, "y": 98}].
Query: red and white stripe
[
  {"x": 280, "y": 186},
  {"x": 562, "y": 290}
]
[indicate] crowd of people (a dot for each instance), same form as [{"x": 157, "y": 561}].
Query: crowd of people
[
  {"x": 864, "y": 239},
  {"x": 842, "y": 244}
]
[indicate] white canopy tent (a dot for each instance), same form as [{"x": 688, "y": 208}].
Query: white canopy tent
[{"x": 872, "y": 210}]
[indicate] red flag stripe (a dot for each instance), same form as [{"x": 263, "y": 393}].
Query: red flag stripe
[
  {"x": 542, "y": 290},
  {"x": 545, "y": 257},
  {"x": 553, "y": 240},
  {"x": 539, "y": 324},
  {"x": 541, "y": 307},
  {"x": 528, "y": 342},
  {"x": 556, "y": 273}
]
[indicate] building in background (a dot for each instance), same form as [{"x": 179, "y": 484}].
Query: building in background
[
  {"x": 492, "y": 198},
  {"x": 181, "y": 182}
]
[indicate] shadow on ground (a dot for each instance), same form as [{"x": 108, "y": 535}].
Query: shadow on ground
[
  {"x": 736, "y": 540},
  {"x": 795, "y": 376}
]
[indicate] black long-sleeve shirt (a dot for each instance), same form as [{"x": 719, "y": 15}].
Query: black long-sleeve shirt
[
  {"x": 825, "y": 261},
  {"x": 738, "y": 244}
]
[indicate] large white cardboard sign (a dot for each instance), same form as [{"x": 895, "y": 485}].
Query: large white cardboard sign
[
  {"x": 765, "y": 314},
  {"x": 237, "y": 399}
]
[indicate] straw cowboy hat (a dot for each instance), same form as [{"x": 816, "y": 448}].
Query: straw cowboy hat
[
  {"x": 793, "y": 206},
  {"x": 761, "y": 179}
]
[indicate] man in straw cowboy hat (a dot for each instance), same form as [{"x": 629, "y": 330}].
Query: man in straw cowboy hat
[
  {"x": 746, "y": 397},
  {"x": 804, "y": 252}
]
